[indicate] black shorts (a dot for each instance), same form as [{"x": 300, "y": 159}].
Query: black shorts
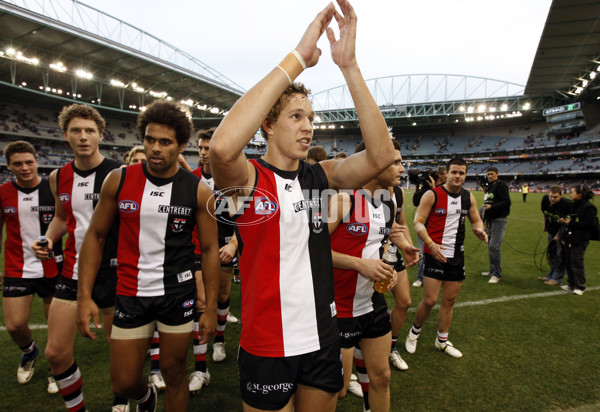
[
  {"x": 103, "y": 293},
  {"x": 399, "y": 266},
  {"x": 173, "y": 310},
  {"x": 198, "y": 263},
  {"x": 368, "y": 326},
  {"x": 268, "y": 383},
  {"x": 453, "y": 270},
  {"x": 18, "y": 287}
]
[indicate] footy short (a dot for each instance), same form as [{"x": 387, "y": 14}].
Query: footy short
[
  {"x": 399, "y": 266},
  {"x": 171, "y": 310},
  {"x": 368, "y": 326},
  {"x": 18, "y": 287},
  {"x": 268, "y": 383},
  {"x": 453, "y": 270},
  {"x": 103, "y": 293}
]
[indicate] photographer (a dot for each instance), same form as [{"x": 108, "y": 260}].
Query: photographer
[
  {"x": 424, "y": 181},
  {"x": 496, "y": 206},
  {"x": 582, "y": 226}
]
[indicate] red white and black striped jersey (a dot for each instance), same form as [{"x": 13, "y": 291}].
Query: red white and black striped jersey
[
  {"x": 361, "y": 234},
  {"x": 158, "y": 215},
  {"x": 27, "y": 213},
  {"x": 446, "y": 221},
  {"x": 288, "y": 305},
  {"x": 79, "y": 192}
]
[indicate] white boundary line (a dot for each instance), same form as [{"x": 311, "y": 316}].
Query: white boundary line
[{"x": 457, "y": 305}]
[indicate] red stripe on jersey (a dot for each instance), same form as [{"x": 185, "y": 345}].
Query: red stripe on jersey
[
  {"x": 436, "y": 221},
  {"x": 259, "y": 267},
  {"x": 65, "y": 192},
  {"x": 13, "y": 250},
  {"x": 129, "y": 231},
  {"x": 349, "y": 238}
]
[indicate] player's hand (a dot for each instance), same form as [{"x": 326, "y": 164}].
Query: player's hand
[
  {"x": 42, "y": 253},
  {"x": 227, "y": 253},
  {"x": 393, "y": 280},
  {"x": 375, "y": 269},
  {"x": 398, "y": 233},
  {"x": 308, "y": 44},
  {"x": 181, "y": 162},
  {"x": 436, "y": 252},
  {"x": 487, "y": 207},
  {"x": 481, "y": 235},
  {"x": 343, "y": 50},
  {"x": 411, "y": 255},
  {"x": 207, "y": 324},
  {"x": 86, "y": 309}
]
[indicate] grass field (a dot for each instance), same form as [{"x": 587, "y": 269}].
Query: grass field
[{"x": 524, "y": 349}]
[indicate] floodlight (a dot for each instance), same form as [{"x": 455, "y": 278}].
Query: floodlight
[
  {"x": 527, "y": 106},
  {"x": 83, "y": 74},
  {"x": 117, "y": 83},
  {"x": 58, "y": 66}
]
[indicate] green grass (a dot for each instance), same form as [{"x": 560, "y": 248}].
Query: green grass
[{"x": 532, "y": 354}]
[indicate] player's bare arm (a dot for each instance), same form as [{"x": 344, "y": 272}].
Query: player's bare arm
[
  {"x": 211, "y": 265},
  {"x": 228, "y": 162},
  {"x": 476, "y": 222}
]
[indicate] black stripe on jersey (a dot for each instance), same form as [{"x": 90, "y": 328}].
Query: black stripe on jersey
[
  {"x": 313, "y": 180},
  {"x": 179, "y": 248}
]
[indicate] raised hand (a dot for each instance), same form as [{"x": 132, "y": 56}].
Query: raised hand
[
  {"x": 343, "y": 50},
  {"x": 308, "y": 44}
]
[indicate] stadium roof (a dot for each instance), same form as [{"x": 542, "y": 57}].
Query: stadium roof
[
  {"x": 568, "y": 52},
  {"x": 129, "y": 67}
]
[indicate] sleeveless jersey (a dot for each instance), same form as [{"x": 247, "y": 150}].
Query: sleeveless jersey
[
  {"x": 287, "y": 276},
  {"x": 27, "y": 214},
  {"x": 225, "y": 225},
  {"x": 157, "y": 218},
  {"x": 361, "y": 234},
  {"x": 446, "y": 221},
  {"x": 79, "y": 192}
]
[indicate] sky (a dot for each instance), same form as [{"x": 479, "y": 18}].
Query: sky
[{"x": 245, "y": 39}]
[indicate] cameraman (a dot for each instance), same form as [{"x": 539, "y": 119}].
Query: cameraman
[
  {"x": 428, "y": 179},
  {"x": 496, "y": 205}
]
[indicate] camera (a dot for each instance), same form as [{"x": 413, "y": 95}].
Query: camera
[{"x": 417, "y": 177}]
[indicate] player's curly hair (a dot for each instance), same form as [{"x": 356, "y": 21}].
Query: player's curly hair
[
  {"x": 83, "y": 111},
  {"x": 170, "y": 114}
]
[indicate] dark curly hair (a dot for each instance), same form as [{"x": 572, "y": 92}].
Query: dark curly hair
[
  {"x": 83, "y": 111},
  {"x": 170, "y": 114},
  {"x": 293, "y": 89}
]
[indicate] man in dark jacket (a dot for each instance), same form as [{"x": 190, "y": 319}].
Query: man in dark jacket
[
  {"x": 496, "y": 204},
  {"x": 555, "y": 207}
]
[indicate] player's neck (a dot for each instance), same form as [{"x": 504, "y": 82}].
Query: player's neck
[
  {"x": 281, "y": 161},
  {"x": 452, "y": 189},
  {"x": 88, "y": 162},
  {"x": 30, "y": 184},
  {"x": 206, "y": 169}
]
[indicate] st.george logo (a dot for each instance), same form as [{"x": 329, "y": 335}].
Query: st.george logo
[
  {"x": 128, "y": 206},
  {"x": 265, "y": 206},
  {"x": 357, "y": 228}
]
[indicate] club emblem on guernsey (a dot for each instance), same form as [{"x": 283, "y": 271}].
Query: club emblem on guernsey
[
  {"x": 357, "y": 229},
  {"x": 128, "y": 206},
  {"x": 317, "y": 223},
  {"x": 177, "y": 225},
  {"x": 47, "y": 217},
  {"x": 265, "y": 206}
]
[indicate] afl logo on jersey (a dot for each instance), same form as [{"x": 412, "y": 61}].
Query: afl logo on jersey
[
  {"x": 357, "y": 228},
  {"x": 188, "y": 303},
  {"x": 64, "y": 197},
  {"x": 128, "y": 206},
  {"x": 9, "y": 210},
  {"x": 439, "y": 211},
  {"x": 265, "y": 206}
]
